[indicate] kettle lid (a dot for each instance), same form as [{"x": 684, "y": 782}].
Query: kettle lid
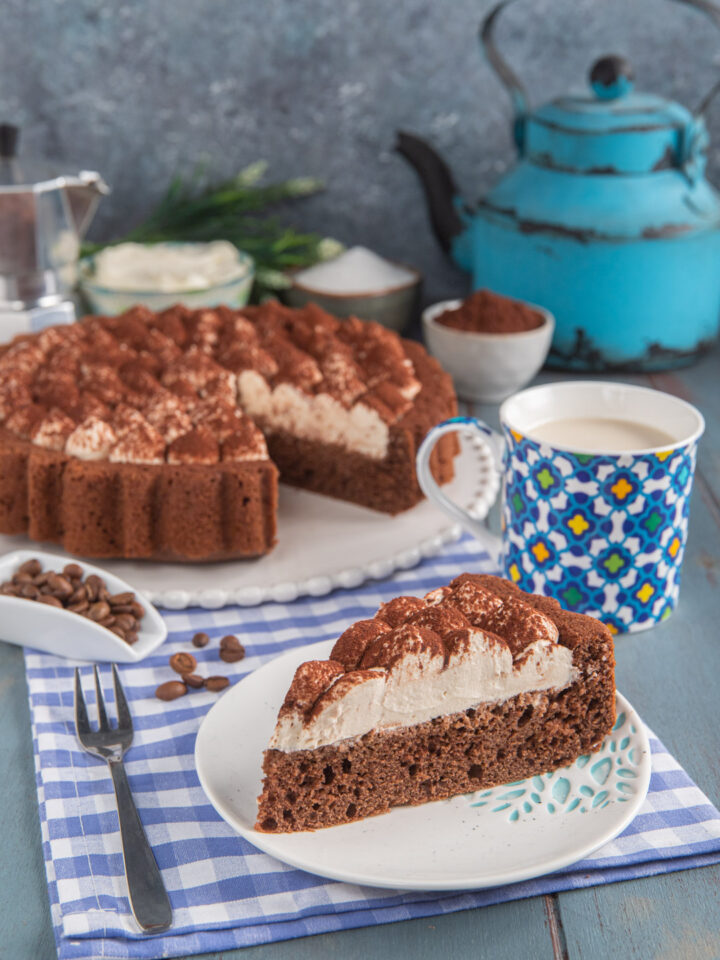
[
  {"x": 33, "y": 175},
  {"x": 610, "y": 128}
]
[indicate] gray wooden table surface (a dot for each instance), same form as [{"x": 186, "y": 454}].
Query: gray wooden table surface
[{"x": 671, "y": 675}]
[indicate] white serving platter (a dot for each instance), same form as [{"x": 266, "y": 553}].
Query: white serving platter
[{"x": 322, "y": 544}]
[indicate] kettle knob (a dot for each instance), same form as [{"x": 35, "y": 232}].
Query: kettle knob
[{"x": 611, "y": 77}]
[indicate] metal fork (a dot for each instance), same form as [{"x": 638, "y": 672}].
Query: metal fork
[{"x": 148, "y": 897}]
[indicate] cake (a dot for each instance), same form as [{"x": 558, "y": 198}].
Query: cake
[
  {"x": 163, "y": 435},
  {"x": 476, "y": 684}
]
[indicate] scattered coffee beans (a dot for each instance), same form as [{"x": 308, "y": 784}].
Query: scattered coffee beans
[
  {"x": 120, "y": 613},
  {"x": 231, "y": 650},
  {"x": 183, "y": 663},
  {"x": 171, "y": 690}
]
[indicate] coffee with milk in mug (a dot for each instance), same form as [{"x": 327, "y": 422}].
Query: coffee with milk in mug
[
  {"x": 595, "y": 480},
  {"x": 601, "y": 433}
]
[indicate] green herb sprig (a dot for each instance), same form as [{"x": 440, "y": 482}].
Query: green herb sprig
[{"x": 193, "y": 210}]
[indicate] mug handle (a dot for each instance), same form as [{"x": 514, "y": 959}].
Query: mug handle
[{"x": 488, "y": 478}]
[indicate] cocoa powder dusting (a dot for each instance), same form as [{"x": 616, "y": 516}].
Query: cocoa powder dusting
[{"x": 488, "y": 312}]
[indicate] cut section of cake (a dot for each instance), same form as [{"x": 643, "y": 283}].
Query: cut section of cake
[
  {"x": 474, "y": 685},
  {"x": 161, "y": 436}
]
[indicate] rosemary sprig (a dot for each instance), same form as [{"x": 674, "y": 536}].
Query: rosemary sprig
[{"x": 194, "y": 210}]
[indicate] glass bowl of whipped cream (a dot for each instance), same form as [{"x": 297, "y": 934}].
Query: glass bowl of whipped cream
[{"x": 159, "y": 275}]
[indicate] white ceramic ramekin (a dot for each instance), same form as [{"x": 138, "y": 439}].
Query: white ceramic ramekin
[{"x": 487, "y": 367}]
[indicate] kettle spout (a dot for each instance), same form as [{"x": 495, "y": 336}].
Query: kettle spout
[
  {"x": 84, "y": 194},
  {"x": 440, "y": 190}
]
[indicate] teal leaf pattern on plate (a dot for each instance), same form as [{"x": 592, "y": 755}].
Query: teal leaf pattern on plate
[{"x": 591, "y": 783}]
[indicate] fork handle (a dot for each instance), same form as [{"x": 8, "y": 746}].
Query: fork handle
[{"x": 149, "y": 901}]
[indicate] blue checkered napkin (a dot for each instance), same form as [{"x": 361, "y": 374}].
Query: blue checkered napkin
[{"x": 224, "y": 892}]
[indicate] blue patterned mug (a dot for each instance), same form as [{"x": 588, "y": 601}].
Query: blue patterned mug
[{"x": 596, "y": 481}]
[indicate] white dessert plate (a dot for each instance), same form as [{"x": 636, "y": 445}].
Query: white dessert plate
[
  {"x": 322, "y": 544},
  {"x": 509, "y": 833},
  {"x": 53, "y": 630}
]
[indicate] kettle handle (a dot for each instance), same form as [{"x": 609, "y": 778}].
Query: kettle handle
[
  {"x": 513, "y": 84},
  {"x": 507, "y": 76}
]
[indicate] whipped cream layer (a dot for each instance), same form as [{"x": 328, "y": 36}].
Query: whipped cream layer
[
  {"x": 93, "y": 439},
  {"x": 419, "y": 688},
  {"x": 409, "y": 674},
  {"x": 317, "y": 416}
]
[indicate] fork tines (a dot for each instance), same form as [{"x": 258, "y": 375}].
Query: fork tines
[{"x": 82, "y": 722}]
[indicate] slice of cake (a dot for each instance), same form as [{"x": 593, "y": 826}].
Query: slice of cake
[{"x": 475, "y": 685}]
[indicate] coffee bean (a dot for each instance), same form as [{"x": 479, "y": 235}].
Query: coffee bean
[
  {"x": 79, "y": 594},
  {"x": 116, "y": 598},
  {"x": 107, "y": 621},
  {"x": 216, "y": 683},
  {"x": 21, "y": 577},
  {"x": 61, "y": 587},
  {"x": 29, "y": 591},
  {"x": 183, "y": 663},
  {"x": 125, "y": 621},
  {"x": 82, "y": 606},
  {"x": 131, "y": 636},
  {"x": 73, "y": 571},
  {"x": 93, "y": 585},
  {"x": 231, "y": 650},
  {"x": 231, "y": 656},
  {"x": 200, "y": 640},
  {"x": 137, "y": 610},
  {"x": 171, "y": 690},
  {"x": 50, "y": 600},
  {"x": 193, "y": 680},
  {"x": 32, "y": 567},
  {"x": 123, "y": 608},
  {"x": 99, "y": 610},
  {"x": 118, "y": 631}
]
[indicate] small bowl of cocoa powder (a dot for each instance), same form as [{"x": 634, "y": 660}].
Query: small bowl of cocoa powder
[
  {"x": 491, "y": 345},
  {"x": 74, "y": 609}
]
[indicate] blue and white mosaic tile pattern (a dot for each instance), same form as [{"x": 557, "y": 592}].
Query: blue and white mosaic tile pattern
[{"x": 604, "y": 535}]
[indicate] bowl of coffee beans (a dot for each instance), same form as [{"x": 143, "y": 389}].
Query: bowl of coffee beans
[{"x": 74, "y": 610}]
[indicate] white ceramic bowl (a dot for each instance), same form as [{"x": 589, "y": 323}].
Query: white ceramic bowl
[
  {"x": 394, "y": 307},
  {"x": 110, "y": 301},
  {"x": 487, "y": 367},
  {"x": 28, "y": 623}
]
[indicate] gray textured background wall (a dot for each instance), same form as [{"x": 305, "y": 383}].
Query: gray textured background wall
[{"x": 139, "y": 90}]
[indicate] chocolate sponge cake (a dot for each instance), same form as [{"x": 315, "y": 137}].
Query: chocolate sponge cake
[
  {"x": 163, "y": 435},
  {"x": 475, "y": 685}
]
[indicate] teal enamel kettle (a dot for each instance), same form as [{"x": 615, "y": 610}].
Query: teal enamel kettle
[{"x": 607, "y": 218}]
